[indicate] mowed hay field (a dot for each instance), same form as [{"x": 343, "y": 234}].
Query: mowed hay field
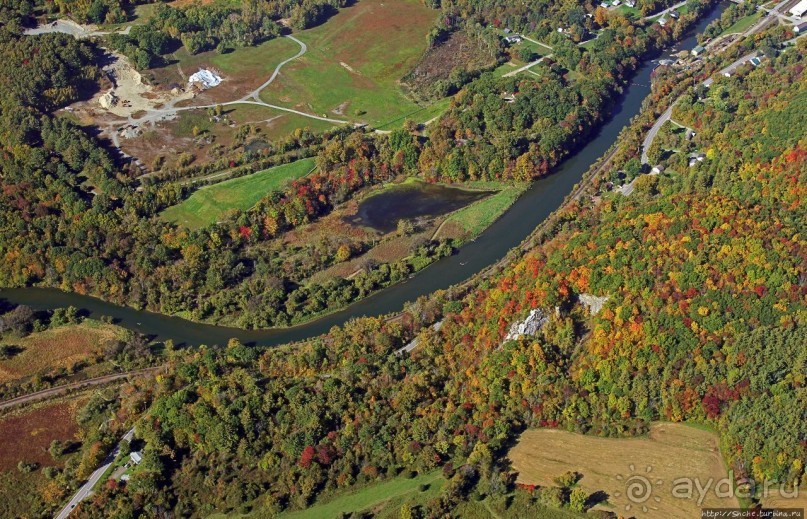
[
  {"x": 354, "y": 62},
  {"x": 56, "y": 348},
  {"x": 671, "y": 451},
  {"x": 209, "y": 204}
]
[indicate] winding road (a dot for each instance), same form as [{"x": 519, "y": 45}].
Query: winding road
[
  {"x": 158, "y": 114},
  {"x": 252, "y": 98}
]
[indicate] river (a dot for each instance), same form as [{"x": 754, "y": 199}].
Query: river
[{"x": 535, "y": 205}]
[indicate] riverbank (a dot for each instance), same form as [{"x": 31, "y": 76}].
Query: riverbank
[{"x": 480, "y": 256}]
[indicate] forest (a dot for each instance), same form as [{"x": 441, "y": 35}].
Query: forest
[{"x": 704, "y": 322}]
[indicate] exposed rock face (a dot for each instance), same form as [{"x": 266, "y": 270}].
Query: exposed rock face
[
  {"x": 108, "y": 100},
  {"x": 592, "y": 302},
  {"x": 529, "y": 326}
]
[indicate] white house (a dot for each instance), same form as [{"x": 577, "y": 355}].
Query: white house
[{"x": 136, "y": 457}]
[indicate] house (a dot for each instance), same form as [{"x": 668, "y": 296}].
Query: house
[
  {"x": 674, "y": 14},
  {"x": 616, "y": 3},
  {"x": 656, "y": 170},
  {"x": 800, "y": 27},
  {"x": 694, "y": 158},
  {"x": 755, "y": 61},
  {"x": 662, "y": 21},
  {"x": 799, "y": 9},
  {"x": 512, "y": 40},
  {"x": 697, "y": 51},
  {"x": 604, "y": 5},
  {"x": 136, "y": 457},
  {"x": 689, "y": 135},
  {"x": 631, "y": 3}
]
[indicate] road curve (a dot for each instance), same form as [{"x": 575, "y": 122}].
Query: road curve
[
  {"x": 59, "y": 390},
  {"x": 255, "y": 93}
]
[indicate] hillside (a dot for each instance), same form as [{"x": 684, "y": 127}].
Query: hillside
[{"x": 703, "y": 269}]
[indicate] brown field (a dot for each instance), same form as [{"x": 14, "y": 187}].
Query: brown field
[
  {"x": 458, "y": 51},
  {"x": 60, "y": 347},
  {"x": 670, "y": 451},
  {"x": 778, "y": 501},
  {"x": 170, "y": 138},
  {"x": 27, "y": 434}
]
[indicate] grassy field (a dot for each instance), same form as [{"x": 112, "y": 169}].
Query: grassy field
[
  {"x": 669, "y": 452},
  {"x": 354, "y": 63},
  {"x": 242, "y": 70},
  {"x": 210, "y": 203},
  {"x": 478, "y": 216},
  {"x": 743, "y": 23},
  {"x": 382, "y": 497},
  {"x": 518, "y": 509},
  {"x": 56, "y": 348}
]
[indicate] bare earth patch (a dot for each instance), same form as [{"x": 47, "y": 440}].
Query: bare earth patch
[{"x": 670, "y": 451}]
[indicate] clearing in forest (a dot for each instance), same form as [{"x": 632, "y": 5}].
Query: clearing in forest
[
  {"x": 60, "y": 347},
  {"x": 355, "y": 61},
  {"x": 209, "y": 204},
  {"x": 612, "y": 465}
]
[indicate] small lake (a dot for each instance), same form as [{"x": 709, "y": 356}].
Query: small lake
[{"x": 409, "y": 201}]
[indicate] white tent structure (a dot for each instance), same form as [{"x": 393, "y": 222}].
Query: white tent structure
[{"x": 206, "y": 78}]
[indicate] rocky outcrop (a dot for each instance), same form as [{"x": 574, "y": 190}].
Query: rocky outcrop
[
  {"x": 592, "y": 302},
  {"x": 529, "y": 326}
]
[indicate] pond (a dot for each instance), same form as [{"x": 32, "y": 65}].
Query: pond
[
  {"x": 507, "y": 232},
  {"x": 409, "y": 201}
]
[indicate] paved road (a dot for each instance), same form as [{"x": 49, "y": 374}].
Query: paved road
[
  {"x": 537, "y": 42},
  {"x": 59, "y": 390},
  {"x": 527, "y": 66},
  {"x": 662, "y": 13},
  {"x": 651, "y": 135},
  {"x": 85, "y": 489},
  {"x": 731, "y": 68}
]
